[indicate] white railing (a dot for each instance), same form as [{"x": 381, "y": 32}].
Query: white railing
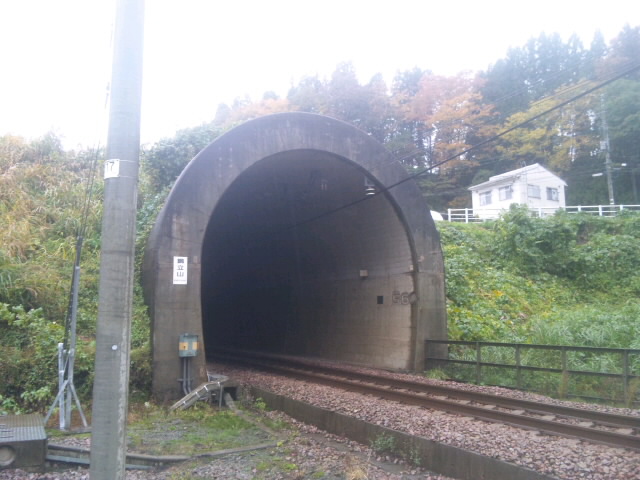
[{"x": 467, "y": 215}]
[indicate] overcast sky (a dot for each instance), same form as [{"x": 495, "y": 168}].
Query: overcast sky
[{"x": 56, "y": 54}]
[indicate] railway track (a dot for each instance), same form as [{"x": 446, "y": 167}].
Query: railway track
[{"x": 589, "y": 425}]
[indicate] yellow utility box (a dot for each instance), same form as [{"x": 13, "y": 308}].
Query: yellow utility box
[{"x": 188, "y": 346}]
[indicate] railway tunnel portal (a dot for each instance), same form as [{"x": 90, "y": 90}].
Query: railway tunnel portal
[{"x": 281, "y": 236}]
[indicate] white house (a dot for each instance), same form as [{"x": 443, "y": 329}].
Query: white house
[{"x": 534, "y": 186}]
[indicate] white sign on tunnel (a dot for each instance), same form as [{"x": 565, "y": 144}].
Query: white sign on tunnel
[{"x": 180, "y": 270}]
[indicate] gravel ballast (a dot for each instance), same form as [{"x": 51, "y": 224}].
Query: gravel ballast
[
  {"x": 307, "y": 453},
  {"x": 563, "y": 458}
]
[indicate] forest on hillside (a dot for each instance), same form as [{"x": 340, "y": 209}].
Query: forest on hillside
[
  {"x": 446, "y": 127},
  {"x": 564, "y": 270}
]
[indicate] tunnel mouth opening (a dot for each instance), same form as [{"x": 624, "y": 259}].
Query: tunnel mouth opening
[
  {"x": 363, "y": 285},
  {"x": 287, "y": 268}
]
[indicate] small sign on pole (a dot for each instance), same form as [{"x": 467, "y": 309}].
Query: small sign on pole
[
  {"x": 112, "y": 168},
  {"x": 180, "y": 270}
]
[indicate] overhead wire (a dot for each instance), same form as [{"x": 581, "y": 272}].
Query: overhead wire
[
  {"x": 582, "y": 83},
  {"x": 556, "y": 94},
  {"x": 80, "y": 233},
  {"x": 525, "y": 122},
  {"x": 493, "y": 138},
  {"x": 569, "y": 70},
  {"x": 82, "y": 226}
]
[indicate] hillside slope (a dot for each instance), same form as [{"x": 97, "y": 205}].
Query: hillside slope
[{"x": 568, "y": 279}]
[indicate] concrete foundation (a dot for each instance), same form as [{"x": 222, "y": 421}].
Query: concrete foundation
[
  {"x": 437, "y": 457},
  {"x": 23, "y": 441},
  {"x": 285, "y": 252}
]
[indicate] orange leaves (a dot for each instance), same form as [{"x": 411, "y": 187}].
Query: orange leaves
[{"x": 452, "y": 113}]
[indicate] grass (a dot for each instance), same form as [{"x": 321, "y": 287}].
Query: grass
[
  {"x": 274, "y": 424},
  {"x": 383, "y": 444},
  {"x": 205, "y": 429},
  {"x": 201, "y": 429}
]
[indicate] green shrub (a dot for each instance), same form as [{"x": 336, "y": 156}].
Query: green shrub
[
  {"x": 29, "y": 376},
  {"x": 383, "y": 444},
  {"x": 509, "y": 279}
]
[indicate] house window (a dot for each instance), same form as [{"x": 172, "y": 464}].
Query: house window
[
  {"x": 485, "y": 198},
  {"x": 506, "y": 193},
  {"x": 533, "y": 191},
  {"x": 552, "y": 194}
]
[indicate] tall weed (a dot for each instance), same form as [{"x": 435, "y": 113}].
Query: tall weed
[{"x": 571, "y": 279}]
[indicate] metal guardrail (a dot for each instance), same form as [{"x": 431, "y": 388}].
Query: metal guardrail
[
  {"x": 467, "y": 215},
  {"x": 525, "y": 362}
]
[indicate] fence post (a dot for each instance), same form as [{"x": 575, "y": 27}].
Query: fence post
[
  {"x": 625, "y": 378},
  {"x": 478, "y": 360},
  {"x": 426, "y": 355},
  {"x": 564, "y": 381},
  {"x": 466, "y": 215},
  {"x": 518, "y": 379}
]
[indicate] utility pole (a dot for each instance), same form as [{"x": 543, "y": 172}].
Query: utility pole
[
  {"x": 66, "y": 356},
  {"x": 111, "y": 384},
  {"x": 608, "y": 167},
  {"x": 634, "y": 185}
]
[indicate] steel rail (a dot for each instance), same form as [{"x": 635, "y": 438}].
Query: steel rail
[
  {"x": 603, "y": 418},
  {"x": 391, "y": 392}
]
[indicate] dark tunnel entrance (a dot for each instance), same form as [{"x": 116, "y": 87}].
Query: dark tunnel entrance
[
  {"x": 256, "y": 248},
  {"x": 281, "y": 274}
]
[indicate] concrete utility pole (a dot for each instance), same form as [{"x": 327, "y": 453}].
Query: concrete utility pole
[
  {"x": 111, "y": 384},
  {"x": 608, "y": 166}
]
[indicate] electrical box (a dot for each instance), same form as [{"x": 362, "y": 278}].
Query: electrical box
[
  {"x": 23, "y": 441},
  {"x": 188, "y": 346}
]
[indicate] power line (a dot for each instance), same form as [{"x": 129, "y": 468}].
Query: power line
[
  {"x": 569, "y": 70},
  {"x": 557, "y": 94},
  {"x": 578, "y": 85},
  {"x": 477, "y": 145},
  {"x": 521, "y": 124}
]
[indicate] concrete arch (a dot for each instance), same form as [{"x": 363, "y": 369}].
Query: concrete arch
[{"x": 275, "y": 260}]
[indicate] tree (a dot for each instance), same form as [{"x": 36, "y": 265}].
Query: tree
[
  {"x": 595, "y": 56},
  {"x": 12, "y": 151},
  {"x": 165, "y": 160},
  {"x": 532, "y": 72},
  {"x": 310, "y": 95},
  {"x": 407, "y": 135},
  {"x": 269, "y": 104},
  {"x": 343, "y": 97},
  {"x": 377, "y": 117},
  {"x": 556, "y": 140},
  {"x": 451, "y": 117},
  {"x": 505, "y": 84},
  {"x": 454, "y": 116},
  {"x": 346, "y": 99},
  {"x": 625, "y": 50},
  {"x": 623, "y": 117}
]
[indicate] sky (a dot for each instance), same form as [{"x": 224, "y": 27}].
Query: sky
[{"x": 56, "y": 54}]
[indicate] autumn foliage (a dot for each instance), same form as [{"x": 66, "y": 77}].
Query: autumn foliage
[{"x": 446, "y": 126}]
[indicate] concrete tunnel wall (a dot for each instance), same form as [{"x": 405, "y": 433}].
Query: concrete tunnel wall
[{"x": 270, "y": 269}]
